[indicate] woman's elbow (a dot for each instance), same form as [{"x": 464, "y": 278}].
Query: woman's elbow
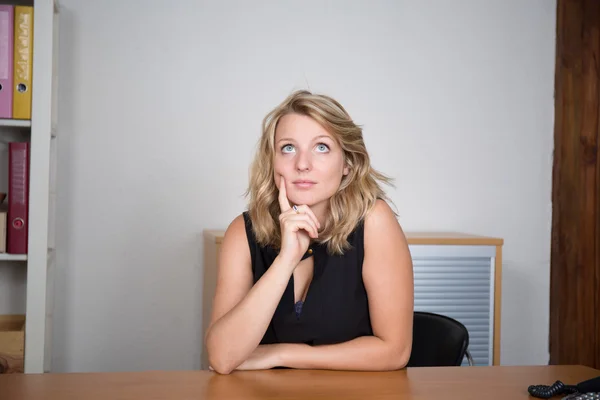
[
  {"x": 399, "y": 357},
  {"x": 218, "y": 359},
  {"x": 220, "y": 368},
  {"x": 220, "y": 363}
]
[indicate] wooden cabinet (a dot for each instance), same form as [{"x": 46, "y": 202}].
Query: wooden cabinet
[{"x": 456, "y": 274}]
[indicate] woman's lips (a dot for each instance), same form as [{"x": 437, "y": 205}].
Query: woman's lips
[{"x": 304, "y": 184}]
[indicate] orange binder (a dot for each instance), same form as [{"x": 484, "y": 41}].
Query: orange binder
[{"x": 23, "y": 61}]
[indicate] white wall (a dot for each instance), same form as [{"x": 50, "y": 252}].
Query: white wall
[{"x": 160, "y": 110}]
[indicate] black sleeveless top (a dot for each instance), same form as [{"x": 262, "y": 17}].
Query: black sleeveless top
[{"x": 336, "y": 307}]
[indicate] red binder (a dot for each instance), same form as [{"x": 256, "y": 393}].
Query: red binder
[{"x": 18, "y": 198}]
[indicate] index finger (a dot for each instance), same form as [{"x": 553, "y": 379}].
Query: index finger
[{"x": 284, "y": 203}]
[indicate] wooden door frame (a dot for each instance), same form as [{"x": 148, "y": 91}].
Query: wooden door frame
[{"x": 575, "y": 249}]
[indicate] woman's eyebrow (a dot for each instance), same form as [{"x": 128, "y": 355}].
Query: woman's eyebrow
[
  {"x": 285, "y": 140},
  {"x": 323, "y": 136},
  {"x": 316, "y": 138}
]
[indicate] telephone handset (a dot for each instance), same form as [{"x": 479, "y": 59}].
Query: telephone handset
[{"x": 589, "y": 389}]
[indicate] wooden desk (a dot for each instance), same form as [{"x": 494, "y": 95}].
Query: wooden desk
[{"x": 497, "y": 382}]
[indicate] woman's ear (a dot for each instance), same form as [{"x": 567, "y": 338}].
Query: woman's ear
[{"x": 346, "y": 170}]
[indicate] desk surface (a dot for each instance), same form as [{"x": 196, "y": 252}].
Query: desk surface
[{"x": 414, "y": 383}]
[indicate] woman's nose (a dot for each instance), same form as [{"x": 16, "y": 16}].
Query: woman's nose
[{"x": 303, "y": 162}]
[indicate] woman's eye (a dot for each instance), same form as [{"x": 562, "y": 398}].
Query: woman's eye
[
  {"x": 322, "y": 147},
  {"x": 288, "y": 148}
]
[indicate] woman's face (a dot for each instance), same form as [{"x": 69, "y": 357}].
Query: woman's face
[{"x": 309, "y": 159}]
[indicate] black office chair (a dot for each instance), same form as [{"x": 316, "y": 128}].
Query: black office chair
[{"x": 438, "y": 341}]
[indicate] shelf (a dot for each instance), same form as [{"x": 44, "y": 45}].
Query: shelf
[
  {"x": 37, "y": 268},
  {"x": 21, "y": 123},
  {"x": 13, "y": 257}
]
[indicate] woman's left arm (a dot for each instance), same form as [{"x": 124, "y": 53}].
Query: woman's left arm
[{"x": 388, "y": 278}]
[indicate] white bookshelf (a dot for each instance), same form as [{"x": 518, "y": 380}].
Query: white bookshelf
[
  {"x": 13, "y": 257},
  {"x": 17, "y": 123},
  {"x": 41, "y": 131}
]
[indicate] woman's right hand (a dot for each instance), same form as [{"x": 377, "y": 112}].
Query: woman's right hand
[{"x": 297, "y": 227}]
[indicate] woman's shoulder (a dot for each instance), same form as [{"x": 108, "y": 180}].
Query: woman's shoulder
[
  {"x": 237, "y": 227},
  {"x": 380, "y": 219},
  {"x": 368, "y": 227}
]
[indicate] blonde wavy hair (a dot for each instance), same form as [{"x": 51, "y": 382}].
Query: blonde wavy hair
[{"x": 356, "y": 195}]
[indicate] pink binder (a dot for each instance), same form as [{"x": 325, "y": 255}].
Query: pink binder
[{"x": 7, "y": 18}]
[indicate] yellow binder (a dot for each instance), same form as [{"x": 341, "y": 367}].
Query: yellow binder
[{"x": 23, "y": 60}]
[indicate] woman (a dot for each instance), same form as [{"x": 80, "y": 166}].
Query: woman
[{"x": 317, "y": 273}]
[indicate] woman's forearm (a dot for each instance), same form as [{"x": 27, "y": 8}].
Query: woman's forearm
[
  {"x": 232, "y": 338},
  {"x": 366, "y": 353}
]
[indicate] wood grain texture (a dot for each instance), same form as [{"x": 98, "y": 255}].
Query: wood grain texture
[
  {"x": 575, "y": 266},
  {"x": 11, "y": 364},
  {"x": 414, "y": 383},
  {"x": 12, "y": 344}
]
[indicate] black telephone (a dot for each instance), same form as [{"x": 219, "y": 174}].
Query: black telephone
[{"x": 589, "y": 389}]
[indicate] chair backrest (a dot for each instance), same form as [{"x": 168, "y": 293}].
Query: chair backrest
[{"x": 438, "y": 341}]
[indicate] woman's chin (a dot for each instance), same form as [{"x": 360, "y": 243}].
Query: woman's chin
[{"x": 305, "y": 201}]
